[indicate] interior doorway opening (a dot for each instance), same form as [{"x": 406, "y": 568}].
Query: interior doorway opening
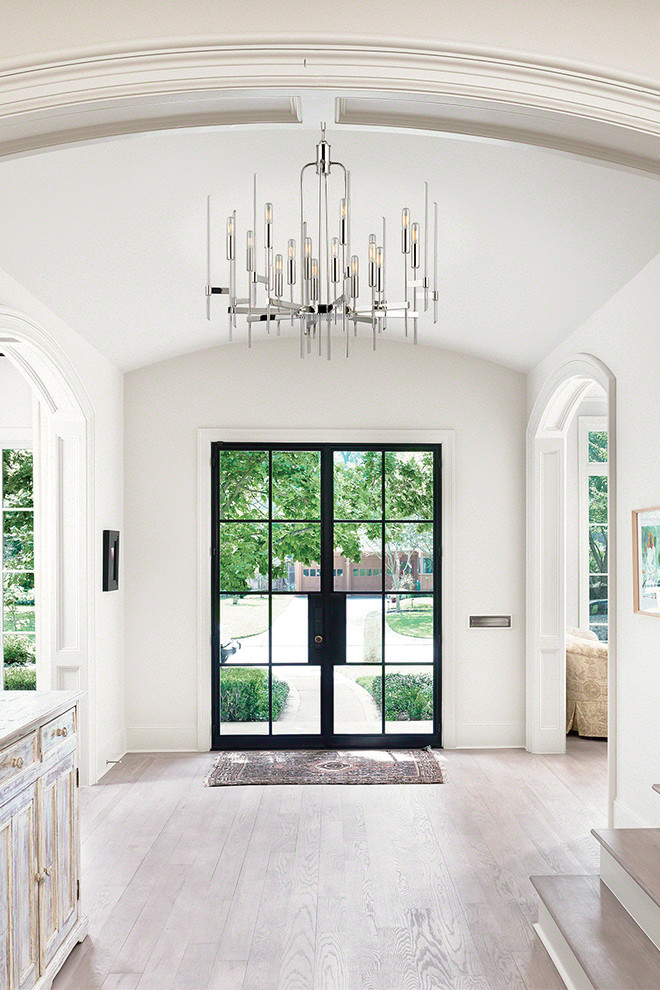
[
  {"x": 571, "y": 557},
  {"x": 63, "y": 562}
]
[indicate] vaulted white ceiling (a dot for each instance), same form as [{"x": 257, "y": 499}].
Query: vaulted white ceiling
[{"x": 111, "y": 235}]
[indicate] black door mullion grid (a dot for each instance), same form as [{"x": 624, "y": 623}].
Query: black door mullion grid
[
  {"x": 327, "y": 596},
  {"x": 383, "y": 582},
  {"x": 270, "y": 592}
]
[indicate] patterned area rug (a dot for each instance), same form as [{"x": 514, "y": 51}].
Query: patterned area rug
[{"x": 418, "y": 766}]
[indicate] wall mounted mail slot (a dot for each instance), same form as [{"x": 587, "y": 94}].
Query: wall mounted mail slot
[{"x": 490, "y": 621}]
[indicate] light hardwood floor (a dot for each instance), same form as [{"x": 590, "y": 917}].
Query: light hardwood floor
[{"x": 335, "y": 887}]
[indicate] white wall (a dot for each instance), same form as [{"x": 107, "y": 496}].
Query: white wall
[
  {"x": 399, "y": 387},
  {"x": 624, "y": 335},
  {"x": 15, "y": 400},
  {"x": 588, "y": 407},
  {"x": 102, "y": 387}
]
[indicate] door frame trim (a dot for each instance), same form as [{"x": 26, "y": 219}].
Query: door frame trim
[{"x": 207, "y": 436}]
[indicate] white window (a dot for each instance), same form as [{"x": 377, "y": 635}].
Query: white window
[
  {"x": 593, "y": 479},
  {"x": 17, "y": 609}
]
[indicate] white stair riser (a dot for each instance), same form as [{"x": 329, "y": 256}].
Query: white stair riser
[
  {"x": 560, "y": 952},
  {"x": 636, "y": 901}
]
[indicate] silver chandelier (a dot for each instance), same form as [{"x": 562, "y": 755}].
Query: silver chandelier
[{"x": 323, "y": 297}]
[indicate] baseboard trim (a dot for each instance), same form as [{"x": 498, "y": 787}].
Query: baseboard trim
[
  {"x": 624, "y": 817},
  {"x": 489, "y": 735},
  {"x": 161, "y": 738}
]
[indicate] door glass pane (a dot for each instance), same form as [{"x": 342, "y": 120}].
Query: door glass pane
[
  {"x": 290, "y": 629},
  {"x": 597, "y": 447},
  {"x": 243, "y": 556},
  {"x": 18, "y": 545},
  {"x": 244, "y": 630},
  {"x": 358, "y": 555},
  {"x": 20, "y": 662},
  {"x": 244, "y": 482},
  {"x": 244, "y": 708},
  {"x": 409, "y": 484},
  {"x": 364, "y": 629},
  {"x": 296, "y": 556},
  {"x": 408, "y": 629},
  {"x": 598, "y": 608},
  {"x": 355, "y": 710},
  {"x": 296, "y": 700},
  {"x": 296, "y": 484},
  {"x": 17, "y": 479},
  {"x": 358, "y": 484},
  {"x": 598, "y": 499},
  {"x": 408, "y": 699},
  {"x": 597, "y": 548},
  {"x": 18, "y": 594},
  {"x": 406, "y": 547}
]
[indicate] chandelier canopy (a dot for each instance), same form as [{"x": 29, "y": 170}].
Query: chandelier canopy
[{"x": 324, "y": 289}]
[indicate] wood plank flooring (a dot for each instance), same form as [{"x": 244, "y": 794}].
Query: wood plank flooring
[{"x": 330, "y": 888}]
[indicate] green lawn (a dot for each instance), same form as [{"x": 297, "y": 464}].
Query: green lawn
[
  {"x": 249, "y": 617},
  {"x": 413, "y": 621}
]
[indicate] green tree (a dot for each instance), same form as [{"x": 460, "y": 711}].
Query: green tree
[
  {"x": 289, "y": 482},
  {"x": 17, "y": 479}
]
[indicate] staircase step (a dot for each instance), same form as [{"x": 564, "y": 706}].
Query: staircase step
[
  {"x": 630, "y": 866},
  {"x": 591, "y": 938},
  {"x": 638, "y": 852},
  {"x": 656, "y": 787}
]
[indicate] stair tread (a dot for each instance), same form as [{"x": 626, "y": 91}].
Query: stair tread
[
  {"x": 656, "y": 787},
  {"x": 612, "y": 949},
  {"x": 638, "y": 852}
]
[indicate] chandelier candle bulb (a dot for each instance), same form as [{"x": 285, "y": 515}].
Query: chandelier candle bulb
[
  {"x": 372, "y": 261},
  {"x": 279, "y": 275},
  {"x": 414, "y": 250},
  {"x": 231, "y": 248},
  {"x": 249, "y": 254},
  {"x": 314, "y": 291},
  {"x": 355, "y": 277},
  {"x": 307, "y": 260},
  {"x": 343, "y": 221},
  {"x": 268, "y": 225},
  {"x": 335, "y": 273},
  {"x": 405, "y": 231},
  {"x": 379, "y": 269},
  {"x": 291, "y": 263}
]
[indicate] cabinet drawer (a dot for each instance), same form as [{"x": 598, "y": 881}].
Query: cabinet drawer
[
  {"x": 56, "y": 732},
  {"x": 17, "y": 758}
]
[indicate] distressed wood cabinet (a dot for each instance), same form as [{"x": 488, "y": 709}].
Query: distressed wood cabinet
[{"x": 40, "y": 919}]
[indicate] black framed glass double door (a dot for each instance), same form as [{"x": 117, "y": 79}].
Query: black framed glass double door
[{"x": 325, "y": 595}]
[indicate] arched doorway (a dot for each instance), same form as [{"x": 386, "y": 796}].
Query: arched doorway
[
  {"x": 62, "y": 443},
  {"x": 547, "y": 554}
]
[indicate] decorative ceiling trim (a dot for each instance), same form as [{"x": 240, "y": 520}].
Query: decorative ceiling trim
[
  {"x": 615, "y": 148},
  {"x": 92, "y": 82}
]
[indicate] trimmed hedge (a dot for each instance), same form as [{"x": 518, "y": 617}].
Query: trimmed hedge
[
  {"x": 408, "y": 697},
  {"x": 18, "y": 650},
  {"x": 244, "y": 695},
  {"x": 20, "y": 678}
]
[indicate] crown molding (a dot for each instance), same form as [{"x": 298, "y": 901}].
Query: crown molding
[{"x": 70, "y": 100}]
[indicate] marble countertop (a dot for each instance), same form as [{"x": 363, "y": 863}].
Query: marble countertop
[{"x": 22, "y": 711}]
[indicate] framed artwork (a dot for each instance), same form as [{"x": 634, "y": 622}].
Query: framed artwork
[
  {"x": 646, "y": 560},
  {"x": 110, "y": 560}
]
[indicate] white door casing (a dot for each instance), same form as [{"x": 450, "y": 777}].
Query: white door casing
[
  {"x": 546, "y": 556},
  {"x": 63, "y": 443}
]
